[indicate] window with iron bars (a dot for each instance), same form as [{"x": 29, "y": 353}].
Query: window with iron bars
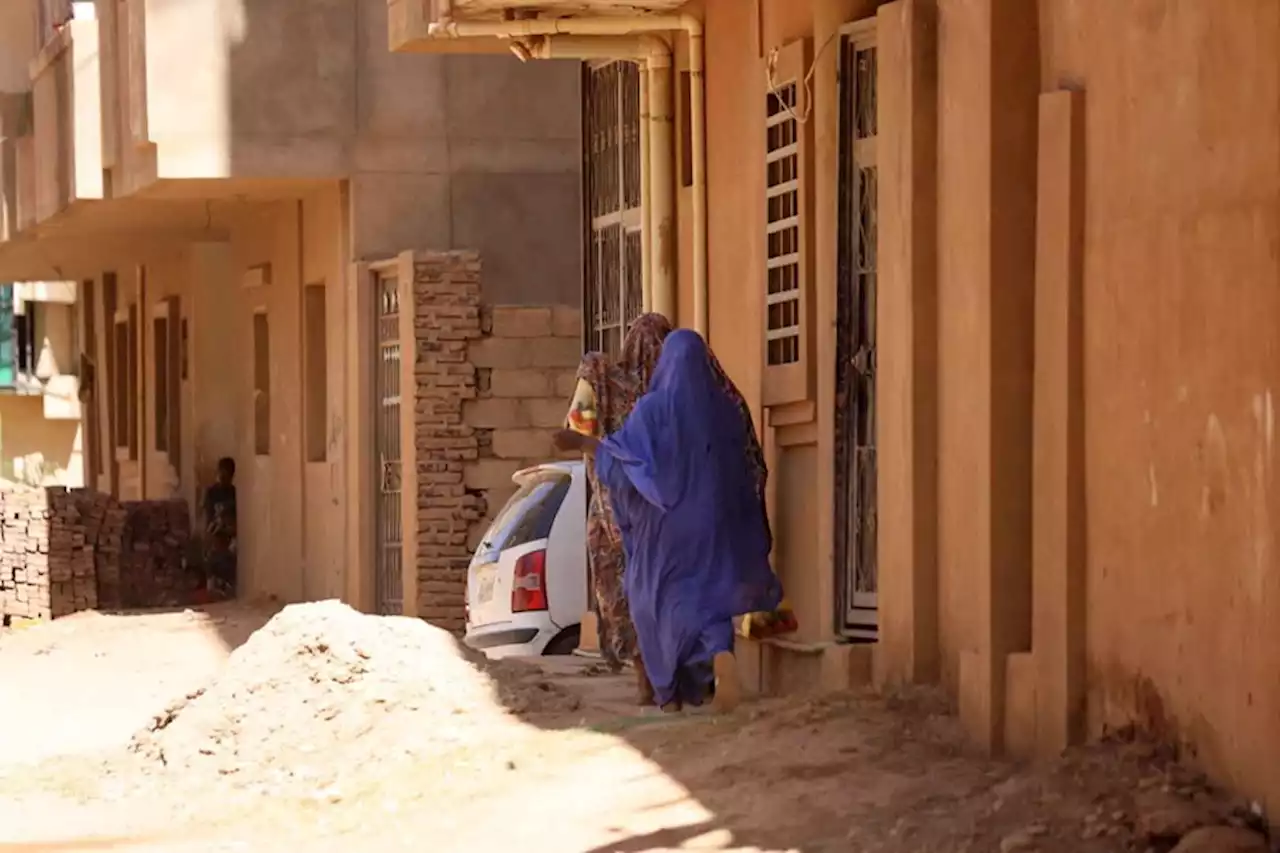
[{"x": 613, "y": 292}]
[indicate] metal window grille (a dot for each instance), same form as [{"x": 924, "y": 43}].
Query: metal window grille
[
  {"x": 855, "y": 527},
  {"x": 613, "y": 292},
  {"x": 389, "y": 559}
]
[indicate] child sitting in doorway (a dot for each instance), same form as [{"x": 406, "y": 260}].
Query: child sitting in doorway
[{"x": 220, "y": 529}]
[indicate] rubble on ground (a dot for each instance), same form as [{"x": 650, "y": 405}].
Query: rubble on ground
[{"x": 322, "y": 689}]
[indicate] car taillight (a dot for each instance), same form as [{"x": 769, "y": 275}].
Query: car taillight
[{"x": 529, "y": 586}]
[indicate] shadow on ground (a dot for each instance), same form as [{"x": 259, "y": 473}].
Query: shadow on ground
[
  {"x": 864, "y": 772},
  {"x": 588, "y": 771}
]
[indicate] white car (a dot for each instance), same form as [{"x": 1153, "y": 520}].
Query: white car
[{"x": 527, "y": 583}]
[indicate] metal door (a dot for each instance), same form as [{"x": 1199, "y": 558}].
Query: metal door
[
  {"x": 855, "y": 523},
  {"x": 389, "y": 556}
]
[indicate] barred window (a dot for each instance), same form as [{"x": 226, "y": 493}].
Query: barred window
[{"x": 613, "y": 294}]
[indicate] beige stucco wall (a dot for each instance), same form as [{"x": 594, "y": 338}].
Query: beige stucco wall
[
  {"x": 1183, "y": 213},
  {"x": 1179, "y": 272},
  {"x": 293, "y": 516},
  {"x": 32, "y": 447},
  {"x": 800, "y": 452},
  {"x": 17, "y": 45}
]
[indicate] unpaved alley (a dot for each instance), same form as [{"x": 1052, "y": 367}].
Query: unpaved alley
[{"x": 330, "y": 730}]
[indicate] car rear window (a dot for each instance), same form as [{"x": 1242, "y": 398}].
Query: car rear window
[{"x": 530, "y": 513}]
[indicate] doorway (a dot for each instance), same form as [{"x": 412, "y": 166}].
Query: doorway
[
  {"x": 388, "y": 587},
  {"x": 856, "y": 564}
]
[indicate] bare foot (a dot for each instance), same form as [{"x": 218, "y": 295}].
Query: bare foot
[
  {"x": 728, "y": 686},
  {"x": 675, "y": 706},
  {"x": 644, "y": 690}
]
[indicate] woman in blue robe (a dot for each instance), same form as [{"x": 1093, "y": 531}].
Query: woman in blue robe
[{"x": 684, "y": 491}]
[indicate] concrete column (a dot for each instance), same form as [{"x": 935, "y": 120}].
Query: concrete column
[
  {"x": 989, "y": 75},
  {"x": 1058, "y": 503},
  {"x": 359, "y": 450},
  {"x": 405, "y": 281},
  {"x": 214, "y": 410},
  {"x": 907, "y": 335}
]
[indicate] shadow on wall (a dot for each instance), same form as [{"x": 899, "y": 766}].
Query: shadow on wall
[{"x": 34, "y": 450}]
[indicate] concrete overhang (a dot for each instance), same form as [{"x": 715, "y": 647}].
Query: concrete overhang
[
  {"x": 57, "y": 292},
  {"x": 91, "y": 236},
  {"x": 414, "y": 26}
]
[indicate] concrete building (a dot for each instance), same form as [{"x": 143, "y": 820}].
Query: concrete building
[
  {"x": 999, "y": 278},
  {"x": 230, "y": 185},
  {"x": 40, "y": 367}
]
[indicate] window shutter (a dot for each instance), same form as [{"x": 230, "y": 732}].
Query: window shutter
[{"x": 788, "y": 322}]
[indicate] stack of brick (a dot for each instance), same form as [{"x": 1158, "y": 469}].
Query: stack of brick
[
  {"x": 46, "y": 558},
  {"x": 105, "y": 520},
  {"x": 446, "y": 317},
  {"x": 64, "y": 551},
  {"x": 154, "y": 545}
]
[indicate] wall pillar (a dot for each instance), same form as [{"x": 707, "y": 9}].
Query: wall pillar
[
  {"x": 440, "y": 316},
  {"x": 1058, "y": 503},
  {"x": 989, "y": 75},
  {"x": 362, "y": 482},
  {"x": 907, "y": 329}
]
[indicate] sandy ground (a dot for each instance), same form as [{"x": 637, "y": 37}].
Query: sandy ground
[{"x": 840, "y": 773}]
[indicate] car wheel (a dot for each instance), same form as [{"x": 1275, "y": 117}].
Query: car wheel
[{"x": 564, "y": 643}]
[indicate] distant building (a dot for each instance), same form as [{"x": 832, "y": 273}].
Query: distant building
[{"x": 226, "y": 184}]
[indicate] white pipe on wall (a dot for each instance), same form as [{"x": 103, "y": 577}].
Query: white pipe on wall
[
  {"x": 657, "y": 151},
  {"x": 646, "y": 194},
  {"x": 635, "y": 48},
  {"x": 662, "y": 212},
  {"x": 602, "y": 29},
  {"x": 698, "y": 143}
]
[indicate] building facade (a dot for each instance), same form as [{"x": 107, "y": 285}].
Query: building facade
[
  {"x": 229, "y": 187},
  {"x": 41, "y": 438},
  {"x": 998, "y": 279}
]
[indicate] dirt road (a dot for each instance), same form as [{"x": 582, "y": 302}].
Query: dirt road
[{"x": 586, "y": 774}]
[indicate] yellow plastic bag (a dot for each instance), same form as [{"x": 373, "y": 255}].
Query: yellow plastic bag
[
  {"x": 582, "y": 416},
  {"x": 759, "y": 626}
]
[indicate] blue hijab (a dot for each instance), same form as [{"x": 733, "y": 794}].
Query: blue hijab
[{"x": 696, "y": 543}]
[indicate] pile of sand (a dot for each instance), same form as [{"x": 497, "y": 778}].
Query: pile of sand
[{"x": 323, "y": 690}]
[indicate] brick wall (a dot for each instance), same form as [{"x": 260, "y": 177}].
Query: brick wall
[{"x": 492, "y": 384}]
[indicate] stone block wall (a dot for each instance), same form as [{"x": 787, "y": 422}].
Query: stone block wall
[
  {"x": 492, "y": 385},
  {"x": 525, "y": 368}
]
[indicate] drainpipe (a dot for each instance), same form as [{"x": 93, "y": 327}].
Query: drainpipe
[
  {"x": 646, "y": 196},
  {"x": 657, "y": 154},
  {"x": 603, "y": 28},
  {"x": 661, "y": 213},
  {"x": 657, "y": 151}
]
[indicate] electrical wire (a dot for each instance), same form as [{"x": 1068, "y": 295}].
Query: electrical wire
[{"x": 806, "y": 82}]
